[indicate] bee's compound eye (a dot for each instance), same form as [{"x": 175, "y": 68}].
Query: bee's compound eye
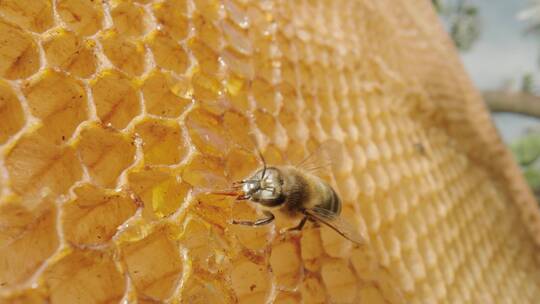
[{"x": 250, "y": 186}]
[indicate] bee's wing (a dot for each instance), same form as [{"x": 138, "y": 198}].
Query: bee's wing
[
  {"x": 337, "y": 223},
  {"x": 326, "y": 156}
]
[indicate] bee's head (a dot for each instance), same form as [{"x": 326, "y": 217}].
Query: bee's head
[{"x": 264, "y": 187}]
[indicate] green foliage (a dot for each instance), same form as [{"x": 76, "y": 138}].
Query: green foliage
[
  {"x": 438, "y": 5},
  {"x": 527, "y": 152},
  {"x": 532, "y": 176},
  {"x": 527, "y": 149},
  {"x": 527, "y": 83},
  {"x": 462, "y": 20},
  {"x": 465, "y": 29}
]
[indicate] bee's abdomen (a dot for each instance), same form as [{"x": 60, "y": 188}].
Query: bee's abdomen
[{"x": 329, "y": 199}]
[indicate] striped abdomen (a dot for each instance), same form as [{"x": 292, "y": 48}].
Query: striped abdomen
[{"x": 329, "y": 199}]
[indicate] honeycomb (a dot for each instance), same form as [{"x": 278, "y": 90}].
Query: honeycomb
[{"x": 117, "y": 117}]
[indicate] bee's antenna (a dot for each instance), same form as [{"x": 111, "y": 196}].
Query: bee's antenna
[
  {"x": 254, "y": 141},
  {"x": 263, "y": 161}
]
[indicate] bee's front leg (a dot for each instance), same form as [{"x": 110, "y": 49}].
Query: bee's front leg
[
  {"x": 260, "y": 222},
  {"x": 300, "y": 225}
]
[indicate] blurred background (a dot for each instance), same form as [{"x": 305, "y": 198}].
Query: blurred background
[{"x": 499, "y": 43}]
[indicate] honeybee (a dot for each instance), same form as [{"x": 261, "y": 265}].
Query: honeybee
[{"x": 294, "y": 191}]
